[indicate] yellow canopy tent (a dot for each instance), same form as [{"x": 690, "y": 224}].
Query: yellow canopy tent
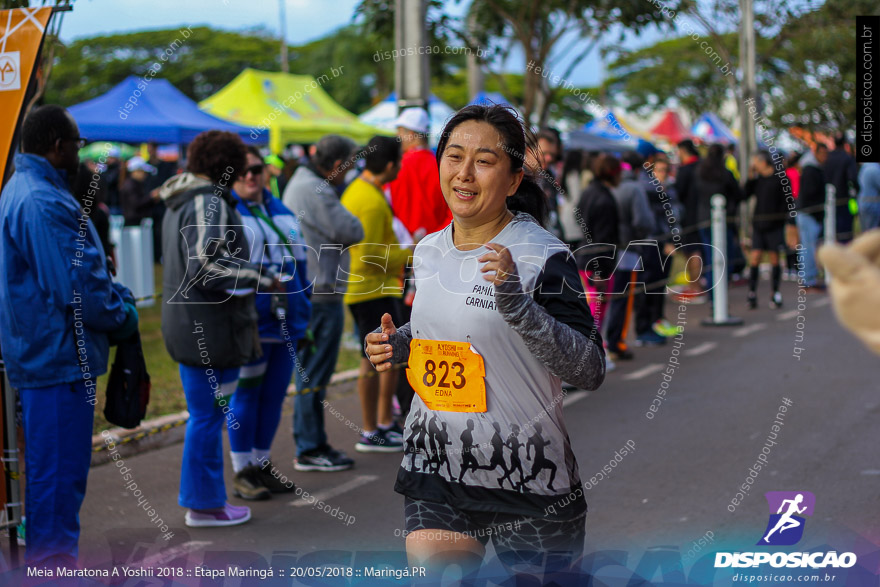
[{"x": 291, "y": 108}]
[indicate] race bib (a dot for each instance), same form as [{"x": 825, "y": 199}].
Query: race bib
[{"x": 448, "y": 376}]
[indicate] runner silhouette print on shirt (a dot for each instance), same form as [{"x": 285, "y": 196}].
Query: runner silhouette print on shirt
[
  {"x": 442, "y": 442},
  {"x": 514, "y": 445},
  {"x": 468, "y": 460},
  {"x": 540, "y": 462},
  {"x": 433, "y": 462},
  {"x": 497, "y": 458},
  {"x": 416, "y": 441}
]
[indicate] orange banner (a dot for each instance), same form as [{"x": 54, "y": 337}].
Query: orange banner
[{"x": 21, "y": 34}]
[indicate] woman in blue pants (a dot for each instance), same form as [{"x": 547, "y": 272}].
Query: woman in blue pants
[
  {"x": 209, "y": 325},
  {"x": 283, "y": 320}
]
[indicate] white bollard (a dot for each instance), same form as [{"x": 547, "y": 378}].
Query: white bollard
[
  {"x": 830, "y": 214},
  {"x": 720, "y": 315},
  {"x": 134, "y": 257}
]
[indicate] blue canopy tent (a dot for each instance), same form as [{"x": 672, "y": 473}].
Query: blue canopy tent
[
  {"x": 711, "y": 129},
  {"x": 587, "y": 141},
  {"x": 490, "y": 98},
  {"x": 615, "y": 137},
  {"x": 159, "y": 112}
]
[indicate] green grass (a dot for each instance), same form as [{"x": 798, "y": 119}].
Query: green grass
[{"x": 166, "y": 395}]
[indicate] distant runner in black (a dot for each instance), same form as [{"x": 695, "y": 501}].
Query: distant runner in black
[{"x": 541, "y": 462}]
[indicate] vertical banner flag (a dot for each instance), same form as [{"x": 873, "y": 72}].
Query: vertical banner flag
[{"x": 21, "y": 35}]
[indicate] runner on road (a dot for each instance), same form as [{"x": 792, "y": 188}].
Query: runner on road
[{"x": 494, "y": 331}]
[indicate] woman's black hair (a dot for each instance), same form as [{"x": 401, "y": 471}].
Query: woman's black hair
[
  {"x": 217, "y": 155},
  {"x": 529, "y": 197},
  {"x": 711, "y": 167}
]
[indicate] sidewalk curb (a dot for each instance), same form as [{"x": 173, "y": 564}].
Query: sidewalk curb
[{"x": 163, "y": 431}]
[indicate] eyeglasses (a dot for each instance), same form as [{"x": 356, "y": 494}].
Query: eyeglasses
[
  {"x": 79, "y": 141},
  {"x": 255, "y": 170}
]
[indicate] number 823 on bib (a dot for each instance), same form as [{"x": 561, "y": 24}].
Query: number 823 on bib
[{"x": 449, "y": 376}]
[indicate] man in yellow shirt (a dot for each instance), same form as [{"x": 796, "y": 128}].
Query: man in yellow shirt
[{"x": 375, "y": 287}]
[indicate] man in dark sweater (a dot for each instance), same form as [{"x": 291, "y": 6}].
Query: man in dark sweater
[
  {"x": 811, "y": 215},
  {"x": 842, "y": 171},
  {"x": 768, "y": 224}
]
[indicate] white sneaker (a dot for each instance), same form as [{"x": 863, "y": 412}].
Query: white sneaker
[{"x": 609, "y": 364}]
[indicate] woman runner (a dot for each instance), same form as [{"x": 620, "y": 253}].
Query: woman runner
[{"x": 499, "y": 320}]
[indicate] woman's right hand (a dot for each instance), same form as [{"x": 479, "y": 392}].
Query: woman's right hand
[{"x": 378, "y": 349}]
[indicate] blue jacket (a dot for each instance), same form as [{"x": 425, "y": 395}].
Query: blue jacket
[
  {"x": 57, "y": 301},
  {"x": 299, "y": 290}
]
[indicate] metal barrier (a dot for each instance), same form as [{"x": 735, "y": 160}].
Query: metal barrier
[
  {"x": 720, "y": 316},
  {"x": 134, "y": 258}
]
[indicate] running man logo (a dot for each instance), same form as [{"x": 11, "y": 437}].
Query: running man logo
[
  {"x": 10, "y": 68},
  {"x": 786, "y": 524}
]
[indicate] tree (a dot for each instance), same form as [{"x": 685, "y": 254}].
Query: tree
[
  {"x": 538, "y": 27},
  {"x": 199, "y": 65},
  {"x": 815, "y": 86},
  {"x": 803, "y": 77}
]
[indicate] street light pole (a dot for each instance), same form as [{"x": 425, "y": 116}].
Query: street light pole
[
  {"x": 747, "y": 144},
  {"x": 411, "y": 68},
  {"x": 285, "y": 67}
]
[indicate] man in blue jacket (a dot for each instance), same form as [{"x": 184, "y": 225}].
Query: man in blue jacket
[{"x": 57, "y": 307}]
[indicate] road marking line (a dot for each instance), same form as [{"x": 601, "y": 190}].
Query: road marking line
[
  {"x": 870, "y": 472},
  {"x": 821, "y": 302},
  {"x": 701, "y": 349},
  {"x": 644, "y": 371},
  {"x": 788, "y": 315},
  {"x": 574, "y": 397},
  {"x": 326, "y": 494},
  {"x": 747, "y": 330}
]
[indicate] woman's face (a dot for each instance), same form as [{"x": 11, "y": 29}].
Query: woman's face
[
  {"x": 250, "y": 185},
  {"x": 475, "y": 173}
]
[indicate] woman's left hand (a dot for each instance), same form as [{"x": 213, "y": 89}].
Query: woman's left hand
[{"x": 500, "y": 261}]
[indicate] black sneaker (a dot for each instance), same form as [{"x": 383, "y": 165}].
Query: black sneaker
[
  {"x": 326, "y": 460},
  {"x": 338, "y": 455},
  {"x": 753, "y": 300},
  {"x": 248, "y": 484},
  {"x": 274, "y": 480},
  {"x": 394, "y": 431},
  {"x": 378, "y": 442}
]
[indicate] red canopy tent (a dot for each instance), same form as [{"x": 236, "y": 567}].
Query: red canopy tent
[{"x": 671, "y": 128}]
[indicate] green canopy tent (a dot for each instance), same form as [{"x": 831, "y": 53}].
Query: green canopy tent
[{"x": 291, "y": 108}]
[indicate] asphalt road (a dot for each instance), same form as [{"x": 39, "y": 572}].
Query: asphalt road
[{"x": 688, "y": 464}]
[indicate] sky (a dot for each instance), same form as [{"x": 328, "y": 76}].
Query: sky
[{"x": 307, "y": 20}]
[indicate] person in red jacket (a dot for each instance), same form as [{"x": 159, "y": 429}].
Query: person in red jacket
[{"x": 415, "y": 195}]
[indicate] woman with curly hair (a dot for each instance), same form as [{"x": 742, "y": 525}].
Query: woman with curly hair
[{"x": 209, "y": 321}]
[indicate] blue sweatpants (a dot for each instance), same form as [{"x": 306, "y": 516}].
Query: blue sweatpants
[
  {"x": 58, "y": 451},
  {"x": 207, "y": 399},
  {"x": 256, "y": 404}
]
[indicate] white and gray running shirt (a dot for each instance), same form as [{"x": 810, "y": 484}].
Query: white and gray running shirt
[{"x": 533, "y": 331}]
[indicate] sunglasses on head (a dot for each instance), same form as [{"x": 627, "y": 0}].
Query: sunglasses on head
[{"x": 255, "y": 170}]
